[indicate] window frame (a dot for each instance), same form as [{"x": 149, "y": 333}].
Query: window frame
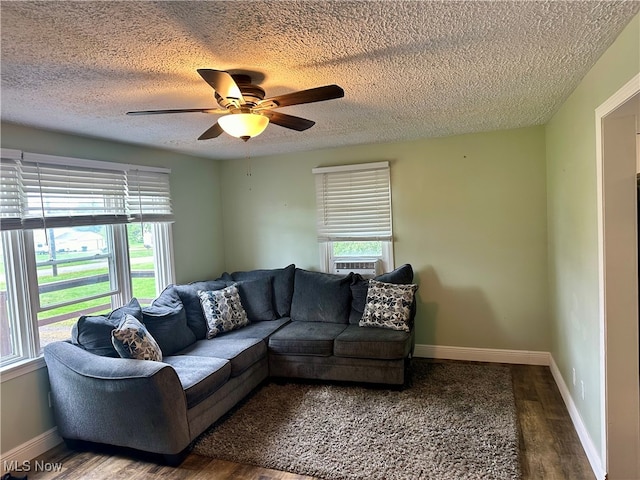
[
  {"x": 325, "y": 242},
  {"x": 19, "y": 258}
]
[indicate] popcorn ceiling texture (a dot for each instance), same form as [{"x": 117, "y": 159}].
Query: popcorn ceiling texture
[{"x": 410, "y": 70}]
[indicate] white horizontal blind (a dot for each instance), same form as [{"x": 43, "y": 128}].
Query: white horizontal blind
[
  {"x": 42, "y": 191},
  {"x": 65, "y": 196},
  {"x": 11, "y": 190},
  {"x": 354, "y": 203},
  {"x": 148, "y": 196}
]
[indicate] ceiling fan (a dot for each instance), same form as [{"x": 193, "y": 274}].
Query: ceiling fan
[{"x": 246, "y": 113}]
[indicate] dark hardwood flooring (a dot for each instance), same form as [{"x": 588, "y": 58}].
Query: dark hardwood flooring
[{"x": 549, "y": 447}]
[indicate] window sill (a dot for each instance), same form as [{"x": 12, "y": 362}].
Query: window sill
[{"x": 23, "y": 367}]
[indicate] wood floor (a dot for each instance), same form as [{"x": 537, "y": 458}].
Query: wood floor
[{"x": 549, "y": 447}]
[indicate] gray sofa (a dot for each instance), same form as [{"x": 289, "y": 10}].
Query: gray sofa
[{"x": 302, "y": 324}]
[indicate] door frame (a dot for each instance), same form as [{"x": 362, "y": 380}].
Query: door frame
[{"x": 620, "y": 430}]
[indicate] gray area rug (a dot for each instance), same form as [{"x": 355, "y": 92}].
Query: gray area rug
[{"x": 457, "y": 421}]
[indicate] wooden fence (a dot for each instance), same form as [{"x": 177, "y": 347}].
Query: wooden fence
[{"x": 5, "y": 330}]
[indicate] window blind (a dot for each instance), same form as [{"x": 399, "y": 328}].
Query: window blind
[
  {"x": 148, "y": 196},
  {"x": 11, "y": 192},
  {"x": 354, "y": 203},
  {"x": 42, "y": 191},
  {"x": 66, "y": 196}
]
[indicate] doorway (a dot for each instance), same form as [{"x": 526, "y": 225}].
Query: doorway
[{"x": 617, "y": 122}]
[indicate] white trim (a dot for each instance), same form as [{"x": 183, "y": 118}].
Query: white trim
[
  {"x": 581, "y": 429},
  {"x": 15, "y": 370},
  {"x": 631, "y": 88},
  {"x": 32, "y": 448},
  {"x": 351, "y": 168},
  {"x": 494, "y": 355}
]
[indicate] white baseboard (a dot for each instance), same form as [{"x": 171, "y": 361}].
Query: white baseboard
[
  {"x": 494, "y": 355},
  {"x": 31, "y": 449},
  {"x": 588, "y": 445}
]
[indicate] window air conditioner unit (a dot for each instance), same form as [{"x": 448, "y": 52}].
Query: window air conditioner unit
[{"x": 366, "y": 268}]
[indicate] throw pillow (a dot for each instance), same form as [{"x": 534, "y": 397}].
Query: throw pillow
[
  {"x": 360, "y": 286},
  {"x": 283, "y": 279},
  {"x": 93, "y": 333},
  {"x": 257, "y": 298},
  {"x": 388, "y": 306},
  {"x": 223, "y": 310},
  {"x": 168, "y": 325},
  {"x": 132, "y": 340},
  {"x": 188, "y": 294},
  {"x": 321, "y": 297},
  {"x": 401, "y": 275}
]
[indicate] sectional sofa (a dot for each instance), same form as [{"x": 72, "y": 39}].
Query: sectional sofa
[{"x": 155, "y": 378}]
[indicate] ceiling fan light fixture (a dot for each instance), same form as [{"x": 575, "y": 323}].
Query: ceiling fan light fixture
[{"x": 244, "y": 125}]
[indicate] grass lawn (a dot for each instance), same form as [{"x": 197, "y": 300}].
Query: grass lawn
[{"x": 88, "y": 268}]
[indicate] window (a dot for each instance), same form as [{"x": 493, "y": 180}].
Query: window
[
  {"x": 354, "y": 216},
  {"x": 78, "y": 237}
]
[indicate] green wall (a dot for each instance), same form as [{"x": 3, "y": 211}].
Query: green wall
[
  {"x": 195, "y": 192},
  {"x": 573, "y": 232},
  {"x": 469, "y": 214}
]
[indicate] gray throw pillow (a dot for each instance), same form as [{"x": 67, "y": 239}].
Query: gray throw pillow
[
  {"x": 257, "y": 298},
  {"x": 168, "y": 325},
  {"x": 283, "y": 279},
  {"x": 93, "y": 332},
  {"x": 321, "y": 297}
]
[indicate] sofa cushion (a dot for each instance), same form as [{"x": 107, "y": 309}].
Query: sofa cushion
[
  {"x": 168, "y": 325},
  {"x": 399, "y": 276},
  {"x": 93, "y": 333},
  {"x": 360, "y": 286},
  {"x": 188, "y": 294},
  {"x": 223, "y": 310},
  {"x": 131, "y": 339},
  {"x": 260, "y": 330},
  {"x": 283, "y": 279},
  {"x": 375, "y": 343},
  {"x": 242, "y": 353},
  {"x": 257, "y": 298},
  {"x": 199, "y": 376},
  {"x": 306, "y": 338},
  {"x": 321, "y": 297},
  {"x": 388, "y": 306}
]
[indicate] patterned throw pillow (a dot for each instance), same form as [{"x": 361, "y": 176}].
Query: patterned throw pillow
[
  {"x": 223, "y": 310},
  {"x": 132, "y": 340},
  {"x": 388, "y": 305}
]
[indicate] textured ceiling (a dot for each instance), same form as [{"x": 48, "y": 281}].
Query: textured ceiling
[{"x": 409, "y": 69}]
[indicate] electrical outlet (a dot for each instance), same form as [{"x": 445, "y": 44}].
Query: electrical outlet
[
  {"x": 582, "y": 388},
  {"x": 574, "y": 377}
]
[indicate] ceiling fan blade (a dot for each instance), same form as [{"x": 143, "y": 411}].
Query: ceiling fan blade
[
  {"x": 213, "y": 132},
  {"x": 222, "y": 83},
  {"x": 179, "y": 110},
  {"x": 289, "y": 121},
  {"x": 318, "y": 94}
]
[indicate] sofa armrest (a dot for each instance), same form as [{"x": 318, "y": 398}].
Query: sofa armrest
[{"x": 130, "y": 403}]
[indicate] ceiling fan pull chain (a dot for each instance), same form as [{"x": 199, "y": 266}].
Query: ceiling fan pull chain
[{"x": 248, "y": 159}]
